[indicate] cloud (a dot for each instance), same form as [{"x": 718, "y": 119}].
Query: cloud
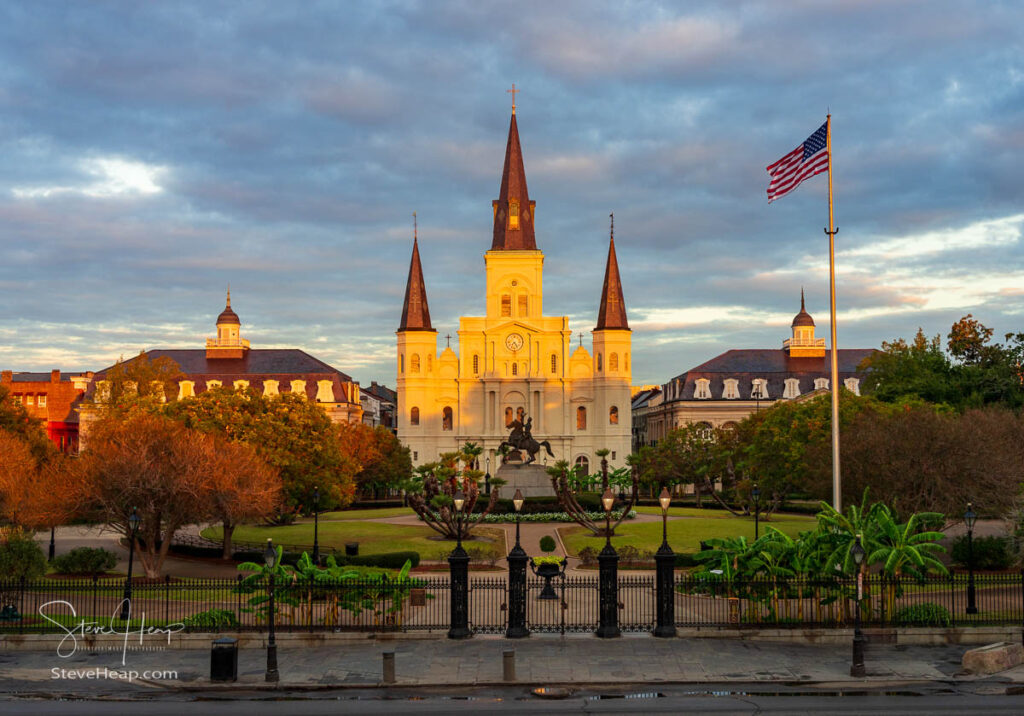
[{"x": 111, "y": 177}]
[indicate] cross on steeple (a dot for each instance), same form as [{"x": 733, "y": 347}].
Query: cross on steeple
[
  {"x": 581, "y": 339},
  {"x": 415, "y": 227},
  {"x": 448, "y": 338},
  {"x": 513, "y": 93}
]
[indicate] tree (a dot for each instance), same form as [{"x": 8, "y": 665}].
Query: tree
[
  {"x": 291, "y": 433},
  {"x": 172, "y": 476},
  {"x": 902, "y": 371},
  {"x": 567, "y": 482},
  {"x": 139, "y": 382},
  {"x": 32, "y": 495},
  {"x": 383, "y": 460},
  {"x": 431, "y": 489},
  {"x": 242, "y": 487}
]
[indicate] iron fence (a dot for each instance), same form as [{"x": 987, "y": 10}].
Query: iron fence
[{"x": 566, "y": 604}]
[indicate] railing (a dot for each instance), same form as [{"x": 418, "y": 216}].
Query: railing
[{"x": 571, "y": 605}]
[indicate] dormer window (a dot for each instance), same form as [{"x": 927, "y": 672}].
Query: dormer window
[
  {"x": 732, "y": 389},
  {"x": 759, "y": 389},
  {"x": 821, "y": 383},
  {"x": 852, "y": 385},
  {"x": 702, "y": 391},
  {"x": 513, "y": 214},
  {"x": 792, "y": 389}
]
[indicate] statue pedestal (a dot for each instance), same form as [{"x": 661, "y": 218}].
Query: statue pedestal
[{"x": 532, "y": 479}]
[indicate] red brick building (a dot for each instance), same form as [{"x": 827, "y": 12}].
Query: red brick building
[{"x": 52, "y": 398}]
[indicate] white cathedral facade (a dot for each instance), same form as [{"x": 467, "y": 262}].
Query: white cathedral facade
[{"x": 514, "y": 362}]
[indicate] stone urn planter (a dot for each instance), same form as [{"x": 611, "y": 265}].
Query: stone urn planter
[{"x": 548, "y": 571}]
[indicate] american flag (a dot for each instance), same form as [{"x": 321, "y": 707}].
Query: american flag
[{"x": 805, "y": 161}]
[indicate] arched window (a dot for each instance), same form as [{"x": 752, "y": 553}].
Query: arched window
[
  {"x": 506, "y": 305},
  {"x": 613, "y": 415},
  {"x": 446, "y": 418},
  {"x": 430, "y": 362},
  {"x": 508, "y": 417},
  {"x": 705, "y": 430},
  {"x": 584, "y": 465},
  {"x": 476, "y": 364},
  {"x": 414, "y": 416},
  {"x": 401, "y": 364},
  {"x": 613, "y": 361},
  {"x": 554, "y": 364},
  {"x": 524, "y": 303},
  {"x": 581, "y": 418},
  {"x": 731, "y": 391},
  {"x": 515, "y": 369},
  {"x": 513, "y": 214},
  {"x": 600, "y": 363},
  {"x": 414, "y": 363},
  {"x": 520, "y": 414}
]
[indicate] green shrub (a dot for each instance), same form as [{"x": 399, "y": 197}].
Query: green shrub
[
  {"x": 211, "y": 620},
  {"x": 547, "y": 560},
  {"x": 685, "y": 560},
  {"x": 21, "y": 557},
  {"x": 547, "y": 543},
  {"x": 386, "y": 560},
  {"x": 85, "y": 560},
  {"x": 989, "y": 552},
  {"x": 588, "y": 555},
  {"x": 923, "y": 614}
]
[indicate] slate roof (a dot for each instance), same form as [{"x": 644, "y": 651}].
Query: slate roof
[
  {"x": 772, "y": 364},
  {"x": 266, "y": 363},
  {"x": 42, "y": 377},
  {"x": 513, "y": 187},
  {"x": 612, "y": 315},
  {"x": 415, "y": 311}
]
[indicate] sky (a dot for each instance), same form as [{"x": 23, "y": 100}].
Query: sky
[{"x": 154, "y": 153}]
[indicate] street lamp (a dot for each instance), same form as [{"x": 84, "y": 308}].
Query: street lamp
[
  {"x": 517, "y": 581},
  {"x": 970, "y": 518},
  {"x": 458, "y": 566},
  {"x": 608, "y": 575},
  {"x": 857, "y": 667},
  {"x": 756, "y": 492},
  {"x": 133, "y": 531},
  {"x": 665, "y": 561},
  {"x": 53, "y": 543},
  {"x": 316, "y": 525},
  {"x": 270, "y": 559},
  {"x": 487, "y": 476}
]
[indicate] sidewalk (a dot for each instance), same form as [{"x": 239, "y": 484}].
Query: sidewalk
[{"x": 552, "y": 661}]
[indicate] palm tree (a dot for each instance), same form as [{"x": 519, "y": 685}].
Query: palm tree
[{"x": 904, "y": 550}]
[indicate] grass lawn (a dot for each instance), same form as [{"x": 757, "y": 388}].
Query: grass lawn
[
  {"x": 708, "y": 513},
  {"x": 373, "y": 537},
  {"x": 368, "y": 514},
  {"x": 684, "y": 535}
]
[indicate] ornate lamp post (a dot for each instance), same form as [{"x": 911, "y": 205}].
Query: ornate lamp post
[
  {"x": 53, "y": 543},
  {"x": 969, "y": 519},
  {"x": 133, "y": 531},
  {"x": 458, "y": 566},
  {"x": 270, "y": 559},
  {"x": 316, "y": 525},
  {"x": 517, "y": 581},
  {"x": 665, "y": 559},
  {"x": 756, "y": 492},
  {"x": 857, "y": 667},
  {"x": 487, "y": 476},
  {"x": 608, "y": 569}
]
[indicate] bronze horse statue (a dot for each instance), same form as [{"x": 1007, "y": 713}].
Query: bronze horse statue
[{"x": 521, "y": 439}]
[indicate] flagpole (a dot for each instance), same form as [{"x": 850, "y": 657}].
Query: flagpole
[{"x": 837, "y": 493}]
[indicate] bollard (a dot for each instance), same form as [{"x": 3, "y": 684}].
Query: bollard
[
  {"x": 508, "y": 664},
  {"x": 389, "y": 667}
]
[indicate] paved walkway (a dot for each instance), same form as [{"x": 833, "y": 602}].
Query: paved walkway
[{"x": 579, "y": 660}]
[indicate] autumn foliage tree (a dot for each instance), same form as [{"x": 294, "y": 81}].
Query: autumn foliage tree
[
  {"x": 172, "y": 476},
  {"x": 292, "y": 434},
  {"x": 383, "y": 461}
]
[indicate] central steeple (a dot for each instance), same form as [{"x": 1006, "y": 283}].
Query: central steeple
[{"x": 513, "y": 210}]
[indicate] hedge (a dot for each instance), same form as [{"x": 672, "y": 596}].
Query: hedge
[
  {"x": 385, "y": 560},
  {"x": 85, "y": 560},
  {"x": 989, "y": 552}
]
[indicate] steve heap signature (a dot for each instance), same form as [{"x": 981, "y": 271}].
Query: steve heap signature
[{"x": 83, "y": 628}]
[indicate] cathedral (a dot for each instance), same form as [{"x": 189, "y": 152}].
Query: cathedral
[{"x": 515, "y": 365}]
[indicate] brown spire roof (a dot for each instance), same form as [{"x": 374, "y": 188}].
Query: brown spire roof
[
  {"x": 803, "y": 318},
  {"x": 227, "y": 316},
  {"x": 613, "y": 305},
  {"x": 415, "y": 312},
  {"x": 513, "y": 194}
]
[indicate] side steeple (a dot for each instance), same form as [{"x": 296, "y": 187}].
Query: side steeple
[
  {"x": 513, "y": 210},
  {"x": 612, "y": 315},
  {"x": 415, "y": 312}
]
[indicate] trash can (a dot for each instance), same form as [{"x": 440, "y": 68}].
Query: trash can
[
  {"x": 351, "y": 548},
  {"x": 224, "y": 659}
]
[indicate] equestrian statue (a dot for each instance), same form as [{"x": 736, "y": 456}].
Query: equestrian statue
[{"x": 521, "y": 439}]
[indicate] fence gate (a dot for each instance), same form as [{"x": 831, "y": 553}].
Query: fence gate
[{"x": 488, "y": 605}]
